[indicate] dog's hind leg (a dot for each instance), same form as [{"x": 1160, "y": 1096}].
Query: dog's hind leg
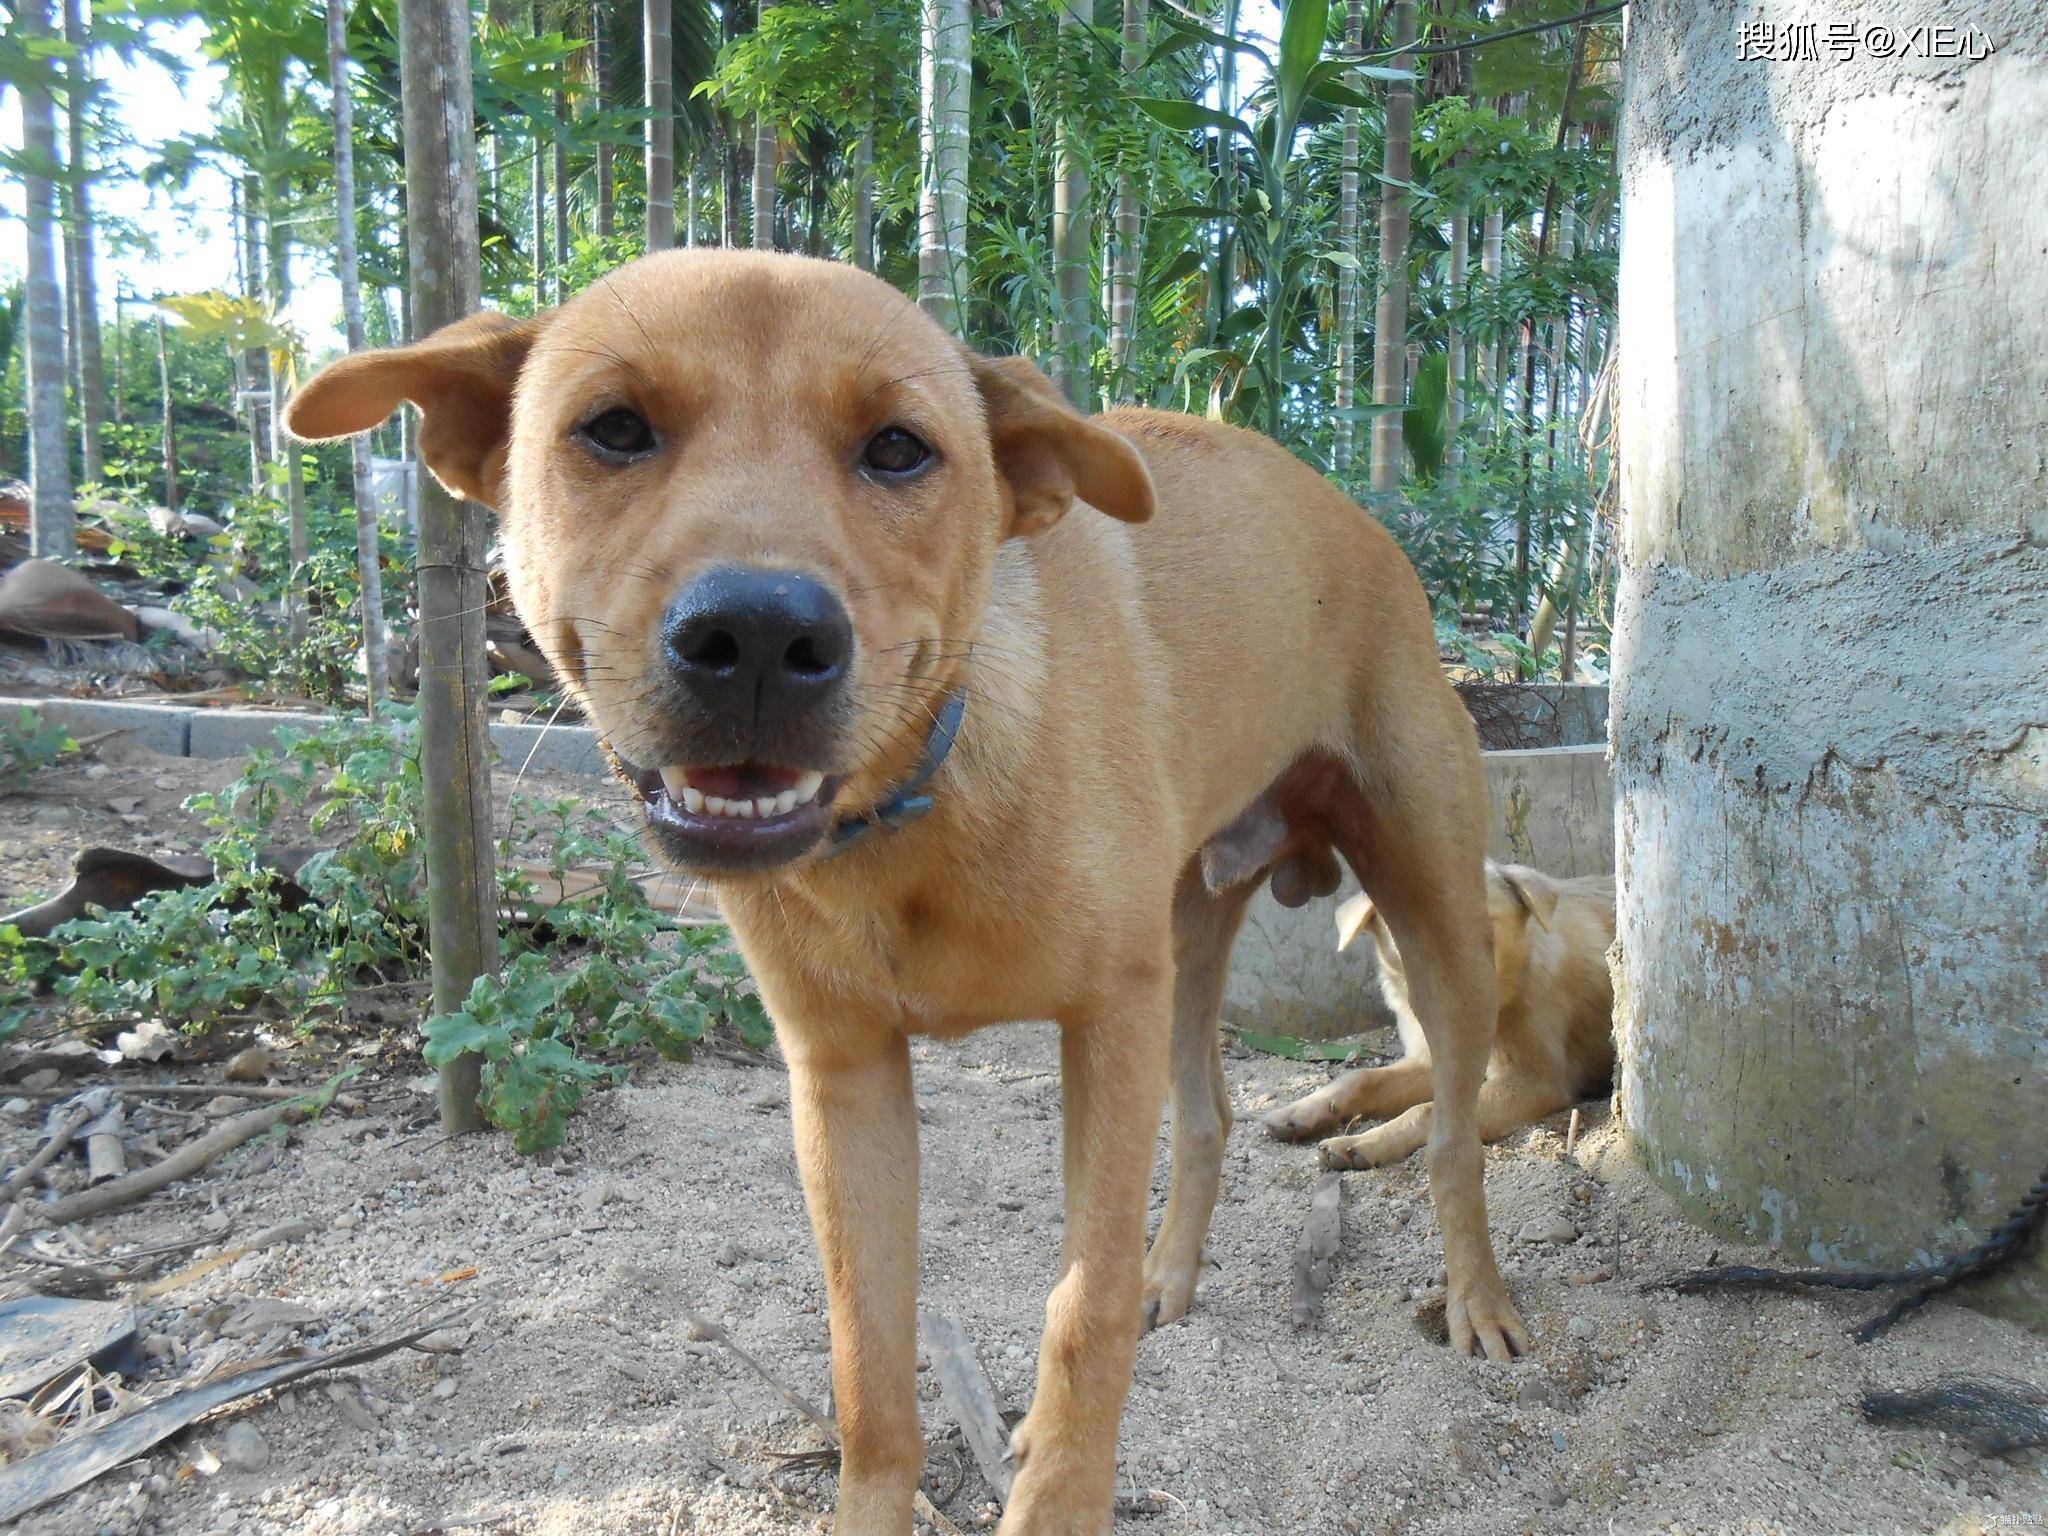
[
  {"x": 1414, "y": 832},
  {"x": 1205, "y": 925}
]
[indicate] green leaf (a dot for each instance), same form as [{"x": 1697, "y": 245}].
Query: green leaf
[
  {"x": 1188, "y": 116},
  {"x": 453, "y": 1035},
  {"x": 1304, "y": 28}
]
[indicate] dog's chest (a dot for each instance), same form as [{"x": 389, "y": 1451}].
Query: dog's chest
[{"x": 936, "y": 958}]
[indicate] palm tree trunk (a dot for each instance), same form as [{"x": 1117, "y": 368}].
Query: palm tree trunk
[
  {"x": 945, "y": 76},
  {"x": 81, "y": 258},
  {"x": 255, "y": 361},
  {"x": 53, "y": 531},
  {"x": 369, "y": 554},
  {"x": 864, "y": 200},
  {"x": 1125, "y": 263},
  {"x": 170, "y": 420},
  {"x": 765, "y": 151},
  {"x": 1390, "y": 319},
  {"x": 441, "y": 232},
  {"x": 561, "y": 190},
  {"x": 1347, "y": 242},
  {"x": 1492, "y": 352},
  {"x": 278, "y": 285},
  {"x": 601, "y": 81},
  {"x": 1072, "y": 238},
  {"x": 658, "y": 37},
  {"x": 1454, "y": 371}
]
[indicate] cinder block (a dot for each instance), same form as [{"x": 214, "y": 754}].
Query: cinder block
[
  {"x": 159, "y": 727},
  {"x": 238, "y": 732},
  {"x": 547, "y": 749}
]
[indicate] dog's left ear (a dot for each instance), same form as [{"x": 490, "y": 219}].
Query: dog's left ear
[
  {"x": 1049, "y": 454},
  {"x": 1535, "y": 893}
]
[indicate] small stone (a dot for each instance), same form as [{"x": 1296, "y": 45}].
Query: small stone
[
  {"x": 124, "y": 805},
  {"x": 1582, "y": 1327},
  {"x": 41, "y": 1081},
  {"x": 225, "y": 1104},
  {"x": 97, "y": 770},
  {"x": 253, "y": 1064},
  {"x": 242, "y": 1448},
  {"x": 447, "y": 1387},
  {"x": 1554, "y": 1230},
  {"x": 345, "y": 1222},
  {"x": 729, "y": 1253},
  {"x": 17, "y": 1106}
]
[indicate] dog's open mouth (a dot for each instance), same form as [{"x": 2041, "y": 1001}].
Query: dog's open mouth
[{"x": 733, "y": 816}]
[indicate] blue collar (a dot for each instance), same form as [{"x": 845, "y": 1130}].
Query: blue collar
[{"x": 905, "y": 804}]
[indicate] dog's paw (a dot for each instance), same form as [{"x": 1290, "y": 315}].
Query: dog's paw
[
  {"x": 1482, "y": 1321},
  {"x": 1302, "y": 1120},
  {"x": 1169, "y": 1292},
  {"x": 1371, "y": 1150}
]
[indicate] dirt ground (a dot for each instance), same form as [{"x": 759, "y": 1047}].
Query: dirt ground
[{"x": 582, "y": 1399}]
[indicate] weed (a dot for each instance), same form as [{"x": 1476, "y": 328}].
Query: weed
[{"x": 27, "y": 744}]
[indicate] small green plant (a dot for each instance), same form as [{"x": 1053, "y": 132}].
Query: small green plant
[
  {"x": 26, "y": 744},
  {"x": 594, "y": 973}
]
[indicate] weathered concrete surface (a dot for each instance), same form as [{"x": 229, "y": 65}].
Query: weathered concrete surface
[
  {"x": 1831, "y": 651},
  {"x": 216, "y": 733},
  {"x": 1552, "y": 807}
]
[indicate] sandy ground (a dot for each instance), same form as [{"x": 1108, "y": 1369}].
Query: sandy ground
[{"x": 583, "y": 1400}]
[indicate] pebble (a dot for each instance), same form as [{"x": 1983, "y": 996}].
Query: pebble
[
  {"x": 1582, "y": 1327},
  {"x": 447, "y": 1386},
  {"x": 225, "y": 1104},
  {"x": 242, "y": 1448},
  {"x": 252, "y": 1064},
  {"x": 1554, "y": 1230}
]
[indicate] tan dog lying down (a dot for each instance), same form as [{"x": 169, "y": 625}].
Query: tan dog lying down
[
  {"x": 870, "y": 626},
  {"x": 1553, "y": 1043}
]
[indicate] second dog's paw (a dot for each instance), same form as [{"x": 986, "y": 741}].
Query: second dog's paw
[
  {"x": 1368, "y": 1151},
  {"x": 1300, "y": 1121}
]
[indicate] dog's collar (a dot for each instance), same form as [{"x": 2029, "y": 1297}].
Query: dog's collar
[{"x": 906, "y": 802}]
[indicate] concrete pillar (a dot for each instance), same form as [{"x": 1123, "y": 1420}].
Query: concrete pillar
[{"x": 1830, "y": 711}]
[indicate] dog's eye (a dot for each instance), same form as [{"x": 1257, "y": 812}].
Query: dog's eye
[
  {"x": 895, "y": 452},
  {"x": 618, "y": 433}
]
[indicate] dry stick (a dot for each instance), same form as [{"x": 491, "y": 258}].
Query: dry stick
[
  {"x": 181, "y": 1164},
  {"x": 803, "y": 1405},
  {"x": 202, "y": 1090},
  {"x": 964, "y": 1386},
  {"x": 59, "y": 1139},
  {"x": 1315, "y": 1254}
]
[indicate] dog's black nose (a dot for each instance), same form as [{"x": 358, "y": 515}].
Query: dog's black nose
[{"x": 749, "y": 644}]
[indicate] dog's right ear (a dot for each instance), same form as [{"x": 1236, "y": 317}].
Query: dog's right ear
[
  {"x": 461, "y": 378},
  {"x": 1049, "y": 454}
]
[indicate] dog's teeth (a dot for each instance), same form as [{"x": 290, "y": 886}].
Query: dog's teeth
[
  {"x": 785, "y": 802},
  {"x": 765, "y": 806},
  {"x": 676, "y": 781},
  {"x": 714, "y": 804},
  {"x": 693, "y": 800},
  {"x": 806, "y": 789}
]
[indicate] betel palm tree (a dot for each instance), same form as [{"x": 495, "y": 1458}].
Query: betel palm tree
[
  {"x": 81, "y": 261},
  {"x": 53, "y": 529}
]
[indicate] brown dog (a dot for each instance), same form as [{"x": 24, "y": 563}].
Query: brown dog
[
  {"x": 1553, "y": 1043},
  {"x": 775, "y": 526}
]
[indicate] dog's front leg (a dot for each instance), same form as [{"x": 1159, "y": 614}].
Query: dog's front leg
[
  {"x": 1113, "y": 1082},
  {"x": 856, "y": 1145}
]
